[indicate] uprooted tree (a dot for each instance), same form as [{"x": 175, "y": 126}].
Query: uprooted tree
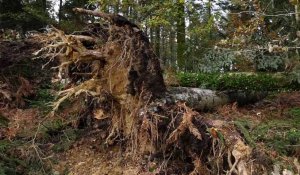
[{"x": 112, "y": 74}]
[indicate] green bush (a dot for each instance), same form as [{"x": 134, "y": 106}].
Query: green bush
[{"x": 237, "y": 81}]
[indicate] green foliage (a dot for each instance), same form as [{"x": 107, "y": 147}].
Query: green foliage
[
  {"x": 10, "y": 163},
  {"x": 56, "y": 131},
  {"x": 60, "y": 133},
  {"x": 282, "y": 135},
  {"x": 295, "y": 112},
  {"x": 42, "y": 100},
  {"x": 69, "y": 21},
  {"x": 4, "y": 145},
  {"x": 295, "y": 75},
  {"x": 69, "y": 26},
  {"x": 244, "y": 126},
  {"x": 67, "y": 138},
  {"x": 53, "y": 128},
  {"x": 215, "y": 61},
  {"x": 237, "y": 81},
  {"x": 3, "y": 121},
  {"x": 24, "y": 16},
  {"x": 269, "y": 62}
]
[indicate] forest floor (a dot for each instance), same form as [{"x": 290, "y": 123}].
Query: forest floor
[
  {"x": 272, "y": 131},
  {"x": 32, "y": 142}
]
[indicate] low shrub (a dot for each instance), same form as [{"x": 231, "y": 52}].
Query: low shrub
[{"x": 237, "y": 81}]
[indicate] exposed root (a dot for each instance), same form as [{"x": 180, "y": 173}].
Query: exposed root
[
  {"x": 186, "y": 124},
  {"x": 113, "y": 70}
]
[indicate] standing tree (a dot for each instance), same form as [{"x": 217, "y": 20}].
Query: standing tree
[
  {"x": 24, "y": 15},
  {"x": 180, "y": 34}
]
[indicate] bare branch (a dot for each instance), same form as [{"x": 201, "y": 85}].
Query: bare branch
[{"x": 116, "y": 19}]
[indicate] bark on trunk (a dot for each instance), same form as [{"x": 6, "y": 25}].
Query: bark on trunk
[
  {"x": 181, "y": 47},
  {"x": 205, "y": 99}
]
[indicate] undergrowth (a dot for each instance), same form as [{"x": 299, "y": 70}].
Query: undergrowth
[
  {"x": 237, "y": 81},
  {"x": 54, "y": 135},
  {"x": 12, "y": 162},
  {"x": 18, "y": 156},
  {"x": 42, "y": 100},
  {"x": 281, "y": 135},
  {"x": 59, "y": 133}
]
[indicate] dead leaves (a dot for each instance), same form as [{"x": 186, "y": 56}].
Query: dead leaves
[
  {"x": 7, "y": 93},
  {"x": 25, "y": 90},
  {"x": 21, "y": 122}
]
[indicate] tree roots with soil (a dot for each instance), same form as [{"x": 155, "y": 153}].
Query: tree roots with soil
[{"x": 114, "y": 82}]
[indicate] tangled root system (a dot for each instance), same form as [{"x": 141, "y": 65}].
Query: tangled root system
[{"x": 112, "y": 69}]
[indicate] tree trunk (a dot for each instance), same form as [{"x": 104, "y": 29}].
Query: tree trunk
[
  {"x": 297, "y": 15},
  {"x": 157, "y": 41},
  {"x": 43, "y": 4},
  {"x": 117, "y": 7},
  {"x": 205, "y": 99},
  {"x": 60, "y": 11},
  {"x": 172, "y": 47},
  {"x": 151, "y": 35},
  {"x": 163, "y": 47},
  {"x": 180, "y": 35}
]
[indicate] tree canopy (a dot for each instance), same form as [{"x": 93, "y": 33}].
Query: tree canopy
[{"x": 190, "y": 35}]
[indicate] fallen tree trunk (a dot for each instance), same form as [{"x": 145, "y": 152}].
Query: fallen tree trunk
[
  {"x": 205, "y": 99},
  {"x": 196, "y": 98}
]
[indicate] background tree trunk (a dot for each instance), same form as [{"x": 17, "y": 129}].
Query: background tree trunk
[
  {"x": 157, "y": 41},
  {"x": 180, "y": 35},
  {"x": 60, "y": 11}
]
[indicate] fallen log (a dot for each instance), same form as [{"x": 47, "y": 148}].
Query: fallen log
[
  {"x": 196, "y": 98},
  {"x": 205, "y": 99}
]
